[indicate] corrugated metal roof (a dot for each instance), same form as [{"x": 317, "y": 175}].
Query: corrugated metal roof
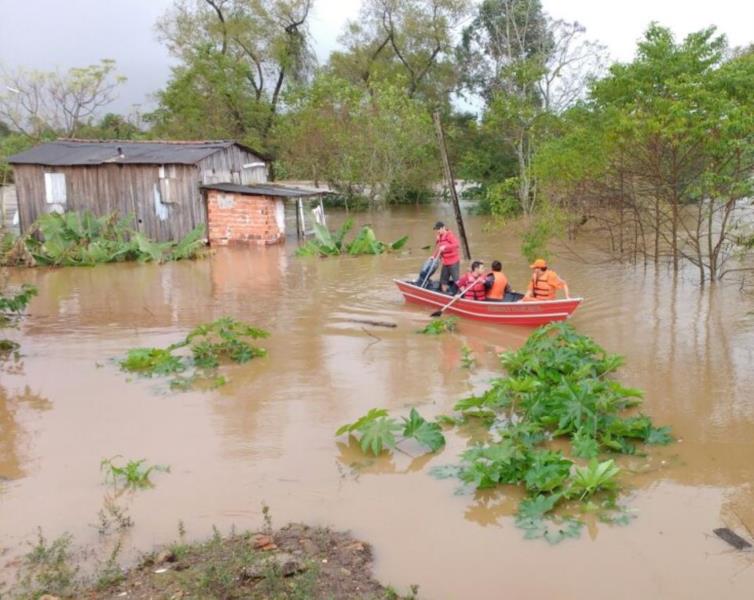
[
  {"x": 267, "y": 189},
  {"x": 95, "y": 152}
]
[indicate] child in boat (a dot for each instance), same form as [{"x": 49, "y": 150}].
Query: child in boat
[
  {"x": 544, "y": 283},
  {"x": 476, "y": 282}
]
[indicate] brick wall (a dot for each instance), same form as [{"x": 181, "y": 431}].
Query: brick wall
[{"x": 238, "y": 218}]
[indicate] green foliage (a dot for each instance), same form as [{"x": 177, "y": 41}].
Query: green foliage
[
  {"x": 593, "y": 478},
  {"x": 152, "y": 361},
  {"x": 83, "y": 239},
  {"x": 558, "y": 385},
  {"x": 377, "y": 431},
  {"x": 16, "y": 302},
  {"x": 326, "y": 243},
  {"x": 467, "y": 357},
  {"x": 210, "y": 344},
  {"x": 441, "y": 325},
  {"x": 133, "y": 474},
  {"x": 48, "y": 568}
]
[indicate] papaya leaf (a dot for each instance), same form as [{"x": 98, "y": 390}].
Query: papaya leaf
[
  {"x": 359, "y": 423},
  {"x": 424, "y": 432},
  {"x": 378, "y": 434}
]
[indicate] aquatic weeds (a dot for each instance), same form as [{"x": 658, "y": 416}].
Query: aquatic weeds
[
  {"x": 438, "y": 326},
  {"x": 467, "y": 357},
  {"x": 377, "y": 431},
  {"x": 133, "y": 474},
  {"x": 210, "y": 345},
  {"x": 48, "y": 568}
]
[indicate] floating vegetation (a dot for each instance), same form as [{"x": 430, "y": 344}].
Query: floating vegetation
[
  {"x": 438, "y": 326},
  {"x": 377, "y": 431},
  {"x": 326, "y": 243},
  {"x": 467, "y": 357},
  {"x": 11, "y": 306},
  {"x": 557, "y": 388},
  {"x": 210, "y": 346},
  {"x": 83, "y": 239},
  {"x": 133, "y": 474}
]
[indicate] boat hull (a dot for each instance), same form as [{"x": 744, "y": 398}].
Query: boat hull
[{"x": 530, "y": 314}]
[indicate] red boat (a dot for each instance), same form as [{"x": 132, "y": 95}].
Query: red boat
[{"x": 501, "y": 313}]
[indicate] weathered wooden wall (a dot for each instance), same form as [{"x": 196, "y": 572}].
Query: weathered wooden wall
[
  {"x": 130, "y": 189},
  {"x": 228, "y": 167}
]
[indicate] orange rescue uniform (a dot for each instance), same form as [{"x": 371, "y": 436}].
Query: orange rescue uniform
[
  {"x": 500, "y": 282},
  {"x": 544, "y": 285}
]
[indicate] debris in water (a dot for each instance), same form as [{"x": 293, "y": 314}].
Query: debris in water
[{"x": 732, "y": 538}]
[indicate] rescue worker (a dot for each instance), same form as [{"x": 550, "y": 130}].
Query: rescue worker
[
  {"x": 497, "y": 282},
  {"x": 544, "y": 283},
  {"x": 448, "y": 249},
  {"x": 476, "y": 282}
]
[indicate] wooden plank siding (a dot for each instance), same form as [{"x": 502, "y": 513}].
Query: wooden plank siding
[{"x": 129, "y": 189}]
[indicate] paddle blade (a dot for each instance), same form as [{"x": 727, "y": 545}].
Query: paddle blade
[{"x": 437, "y": 313}]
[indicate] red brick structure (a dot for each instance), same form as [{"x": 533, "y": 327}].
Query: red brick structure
[
  {"x": 251, "y": 214},
  {"x": 235, "y": 217}
]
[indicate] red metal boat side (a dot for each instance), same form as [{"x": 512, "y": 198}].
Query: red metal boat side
[{"x": 509, "y": 313}]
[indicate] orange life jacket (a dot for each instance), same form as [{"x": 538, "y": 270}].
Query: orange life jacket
[
  {"x": 497, "y": 291},
  {"x": 544, "y": 285}
]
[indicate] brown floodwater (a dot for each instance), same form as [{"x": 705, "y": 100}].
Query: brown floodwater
[{"x": 268, "y": 435}]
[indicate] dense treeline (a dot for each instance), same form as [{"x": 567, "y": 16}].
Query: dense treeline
[{"x": 655, "y": 154}]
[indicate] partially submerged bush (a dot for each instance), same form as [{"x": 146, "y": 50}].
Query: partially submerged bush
[
  {"x": 210, "y": 345},
  {"x": 558, "y": 387},
  {"x": 326, "y": 243},
  {"x": 83, "y": 239}
]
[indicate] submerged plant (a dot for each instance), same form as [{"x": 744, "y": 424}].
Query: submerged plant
[
  {"x": 558, "y": 386},
  {"x": 210, "y": 345},
  {"x": 438, "y": 326},
  {"x": 467, "y": 357},
  {"x": 84, "y": 239},
  {"x": 327, "y": 243},
  {"x": 132, "y": 474},
  {"x": 48, "y": 568},
  {"x": 377, "y": 431}
]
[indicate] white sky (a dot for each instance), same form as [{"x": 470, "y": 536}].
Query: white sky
[{"x": 47, "y": 33}]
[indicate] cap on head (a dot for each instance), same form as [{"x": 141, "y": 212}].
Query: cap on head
[
  {"x": 540, "y": 263},
  {"x": 439, "y": 225}
]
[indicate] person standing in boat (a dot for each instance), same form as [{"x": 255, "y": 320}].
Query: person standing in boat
[
  {"x": 447, "y": 248},
  {"x": 497, "y": 283},
  {"x": 476, "y": 282},
  {"x": 544, "y": 283}
]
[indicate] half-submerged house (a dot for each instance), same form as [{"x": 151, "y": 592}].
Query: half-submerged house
[{"x": 169, "y": 187}]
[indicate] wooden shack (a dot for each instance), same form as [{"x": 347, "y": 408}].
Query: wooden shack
[{"x": 158, "y": 182}]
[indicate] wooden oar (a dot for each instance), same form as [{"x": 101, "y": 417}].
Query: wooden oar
[{"x": 438, "y": 313}]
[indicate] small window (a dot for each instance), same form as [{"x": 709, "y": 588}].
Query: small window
[{"x": 55, "y": 188}]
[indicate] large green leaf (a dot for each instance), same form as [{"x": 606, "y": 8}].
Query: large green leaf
[
  {"x": 378, "y": 434},
  {"x": 374, "y": 413},
  {"x": 424, "y": 432}
]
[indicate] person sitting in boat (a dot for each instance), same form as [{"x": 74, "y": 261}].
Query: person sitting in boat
[
  {"x": 497, "y": 283},
  {"x": 448, "y": 249},
  {"x": 544, "y": 283},
  {"x": 474, "y": 282}
]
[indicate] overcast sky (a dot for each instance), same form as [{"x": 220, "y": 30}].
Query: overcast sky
[{"x": 45, "y": 34}]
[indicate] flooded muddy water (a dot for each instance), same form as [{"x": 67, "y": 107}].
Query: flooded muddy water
[{"x": 268, "y": 435}]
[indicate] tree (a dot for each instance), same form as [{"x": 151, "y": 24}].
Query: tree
[
  {"x": 378, "y": 143},
  {"x": 403, "y": 40},
  {"x": 35, "y": 103},
  {"x": 666, "y": 142},
  {"x": 238, "y": 57},
  {"x": 527, "y": 68}
]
